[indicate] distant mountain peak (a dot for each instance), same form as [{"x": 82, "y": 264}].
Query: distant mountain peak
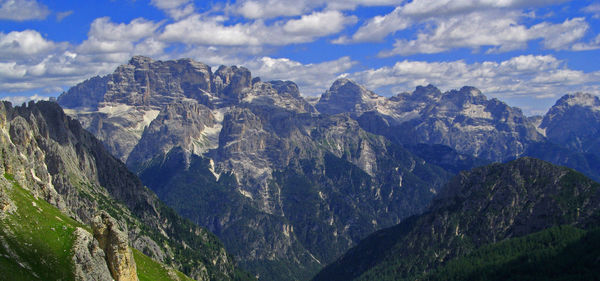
[
  {"x": 345, "y": 95},
  {"x": 140, "y": 60},
  {"x": 580, "y": 99}
]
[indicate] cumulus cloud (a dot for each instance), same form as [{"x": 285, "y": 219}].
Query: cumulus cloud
[
  {"x": 18, "y": 45},
  {"x": 267, "y": 9},
  {"x": 428, "y": 8},
  {"x": 312, "y": 79},
  {"x": 106, "y": 36},
  {"x": 592, "y": 45},
  {"x": 29, "y": 61},
  {"x": 176, "y": 9},
  {"x": 377, "y": 28},
  {"x": 523, "y": 76},
  {"x": 450, "y": 24},
  {"x": 21, "y": 10},
  {"x": 201, "y": 30},
  {"x": 495, "y": 29}
]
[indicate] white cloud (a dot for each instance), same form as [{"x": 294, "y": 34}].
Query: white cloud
[
  {"x": 176, "y": 9},
  {"x": 21, "y": 10},
  {"x": 312, "y": 79},
  {"x": 428, "y": 8},
  {"x": 593, "y": 9},
  {"x": 19, "y": 100},
  {"x": 108, "y": 37},
  {"x": 200, "y": 30},
  {"x": 211, "y": 31},
  {"x": 448, "y": 16},
  {"x": 17, "y": 45},
  {"x": 267, "y": 9},
  {"x": 560, "y": 36},
  {"x": 523, "y": 76},
  {"x": 593, "y": 45},
  {"x": 496, "y": 29},
  {"x": 318, "y": 24},
  {"x": 62, "y": 15},
  {"x": 377, "y": 28},
  {"x": 30, "y": 61}
]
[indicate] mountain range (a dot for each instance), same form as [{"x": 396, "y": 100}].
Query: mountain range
[
  {"x": 350, "y": 186},
  {"x": 289, "y": 185}
]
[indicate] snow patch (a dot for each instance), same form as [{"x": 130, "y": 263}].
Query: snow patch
[{"x": 211, "y": 168}]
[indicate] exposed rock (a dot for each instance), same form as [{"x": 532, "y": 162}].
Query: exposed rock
[
  {"x": 574, "y": 121},
  {"x": 115, "y": 244},
  {"x": 464, "y": 120},
  {"x": 184, "y": 124},
  {"x": 89, "y": 259}
]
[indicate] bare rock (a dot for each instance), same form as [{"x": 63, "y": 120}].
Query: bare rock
[
  {"x": 88, "y": 259},
  {"x": 115, "y": 244}
]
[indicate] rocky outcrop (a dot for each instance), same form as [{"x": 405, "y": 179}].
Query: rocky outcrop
[
  {"x": 89, "y": 260},
  {"x": 346, "y": 96},
  {"x": 115, "y": 244}
]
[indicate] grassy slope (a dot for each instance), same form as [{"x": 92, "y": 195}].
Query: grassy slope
[{"x": 36, "y": 241}]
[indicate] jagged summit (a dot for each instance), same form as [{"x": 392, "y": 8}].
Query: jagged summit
[
  {"x": 140, "y": 60},
  {"x": 580, "y": 99},
  {"x": 574, "y": 121},
  {"x": 345, "y": 95}
]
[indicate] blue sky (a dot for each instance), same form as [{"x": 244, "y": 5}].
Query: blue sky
[{"x": 527, "y": 53}]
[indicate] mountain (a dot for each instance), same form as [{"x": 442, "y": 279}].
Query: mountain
[
  {"x": 557, "y": 253},
  {"x": 462, "y": 129},
  {"x": 286, "y": 188},
  {"x": 464, "y": 120},
  {"x": 574, "y": 122},
  {"x": 289, "y": 185},
  {"x": 60, "y": 185},
  {"x": 485, "y": 205}
]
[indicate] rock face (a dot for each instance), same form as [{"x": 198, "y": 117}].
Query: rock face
[
  {"x": 54, "y": 158},
  {"x": 574, "y": 122},
  {"x": 286, "y": 188},
  {"x": 479, "y": 207},
  {"x": 89, "y": 259},
  {"x": 464, "y": 120},
  {"x": 115, "y": 244}
]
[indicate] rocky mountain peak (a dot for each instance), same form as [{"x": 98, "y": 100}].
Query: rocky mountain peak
[
  {"x": 427, "y": 91},
  {"x": 288, "y": 87},
  {"x": 466, "y": 95},
  {"x": 574, "y": 121},
  {"x": 230, "y": 81},
  {"x": 140, "y": 61},
  {"x": 580, "y": 99},
  {"x": 346, "y": 95}
]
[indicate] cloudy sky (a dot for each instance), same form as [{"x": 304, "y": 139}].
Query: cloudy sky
[{"x": 527, "y": 53}]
